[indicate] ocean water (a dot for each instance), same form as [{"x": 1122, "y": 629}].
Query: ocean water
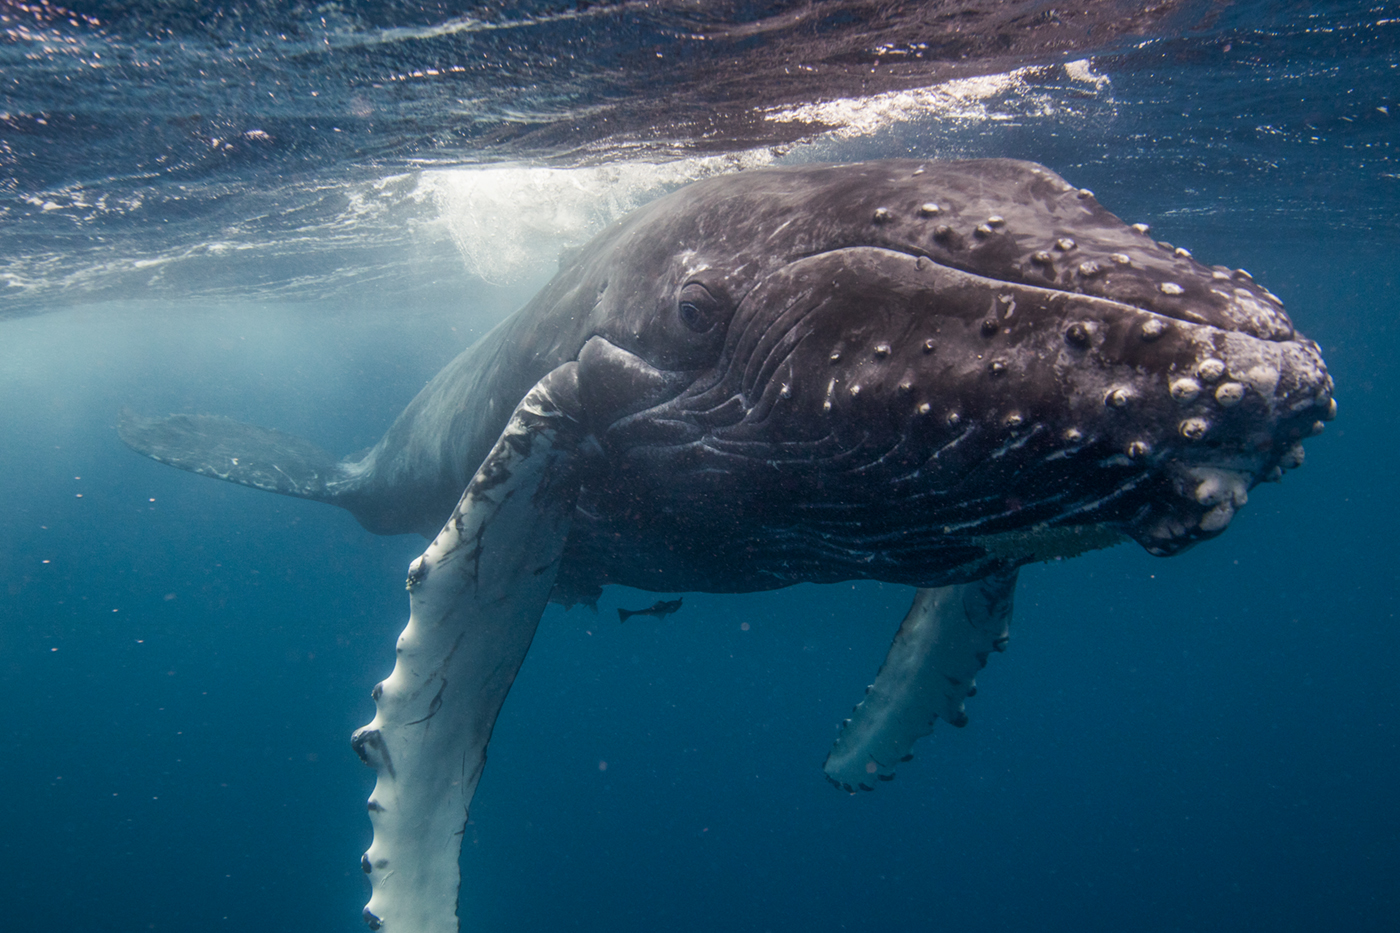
[{"x": 1205, "y": 742}]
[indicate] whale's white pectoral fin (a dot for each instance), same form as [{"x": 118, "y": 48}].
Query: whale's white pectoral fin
[
  {"x": 476, "y": 595},
  {"x": 941, "y": 645}
]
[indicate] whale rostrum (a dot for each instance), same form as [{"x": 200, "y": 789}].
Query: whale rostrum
[{"x": 919, "y": 372}]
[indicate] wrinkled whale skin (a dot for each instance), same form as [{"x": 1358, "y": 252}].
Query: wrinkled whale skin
[
  {"x": 928, "y": 373},
  {"x": 966, "y": 309},
  {"x": 998, "y": 353}
]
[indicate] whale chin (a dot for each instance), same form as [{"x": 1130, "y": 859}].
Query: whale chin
[{"x": 1198, "y": 502}]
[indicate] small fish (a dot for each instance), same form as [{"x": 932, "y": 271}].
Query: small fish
[{"x": 660, "y": 609}]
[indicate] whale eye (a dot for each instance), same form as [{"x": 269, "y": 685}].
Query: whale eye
[{"x": 698, "y": 309}]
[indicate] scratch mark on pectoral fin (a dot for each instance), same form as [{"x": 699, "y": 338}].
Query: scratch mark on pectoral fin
[
  {"x": 433, "y": 706},
  {"x": 941, "y": 645}
]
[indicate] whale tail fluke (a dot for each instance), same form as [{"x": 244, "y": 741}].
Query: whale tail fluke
[{"x": 263, "y": 458}]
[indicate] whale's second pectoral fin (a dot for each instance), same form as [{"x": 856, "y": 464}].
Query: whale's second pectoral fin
[
  {"x": 476, "y": 595},
  {"x": 941, "y": 645}
]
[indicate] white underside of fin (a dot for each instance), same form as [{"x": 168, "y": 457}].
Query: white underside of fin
[
  {"x": 476, "y": 596},
  {"x": 941, "y": 645}
]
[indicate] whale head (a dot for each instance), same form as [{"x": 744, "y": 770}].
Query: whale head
[{"x": 918, "y": 372}]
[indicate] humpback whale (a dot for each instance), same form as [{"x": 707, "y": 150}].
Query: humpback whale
[{"x": 919, "y": 372}]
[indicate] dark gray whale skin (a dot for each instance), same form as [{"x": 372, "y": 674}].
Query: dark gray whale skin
[
  {"x": 913, "y": 371},
  {"x": 917, "y": 372}
]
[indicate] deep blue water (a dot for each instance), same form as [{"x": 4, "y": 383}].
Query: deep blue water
[{"x": 1206, "y": 742}]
